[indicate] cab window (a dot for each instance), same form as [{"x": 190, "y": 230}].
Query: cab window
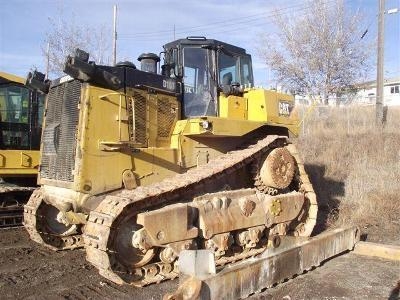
[
  {"x": 228, "y": 69},
  {"x": 235, "y": 69},
  {"x": 41, "y": 101},
  {"x": 14, "y": 116},
  {"x": 14, "y": 104},
  {"x": 197, "y": 93},
  {"x": 246, "y": 72}
]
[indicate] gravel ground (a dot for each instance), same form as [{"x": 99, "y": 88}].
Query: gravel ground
[{"x": 30, "y": 271}]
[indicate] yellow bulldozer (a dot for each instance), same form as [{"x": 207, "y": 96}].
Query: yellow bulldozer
[
  {"x": 138, "y": 165},
  {"x": 21, "y": 111}
]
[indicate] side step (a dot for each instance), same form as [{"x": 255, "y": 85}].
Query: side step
[{"x": 240, "y": 280}]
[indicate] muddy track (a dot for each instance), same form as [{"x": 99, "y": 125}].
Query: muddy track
[
  {"x": 99, "y": 232},
  {"x": 30, "y": 271},
  {"x": 12, "y": 203}
]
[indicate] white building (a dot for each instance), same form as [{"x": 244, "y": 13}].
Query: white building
[
  {"x": 366, "y": 94},
  {"x": 391, "y": 92}
]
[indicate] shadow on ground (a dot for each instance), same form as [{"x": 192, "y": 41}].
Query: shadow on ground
[
  {"x": 394, "y": 295},
  {"x": 328, "y": 191}
]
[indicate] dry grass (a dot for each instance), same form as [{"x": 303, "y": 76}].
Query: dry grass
[{"x": 354, "y": 166}]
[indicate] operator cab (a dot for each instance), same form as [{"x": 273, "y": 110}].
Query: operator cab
[
  {"x": 207, "y": 67},
  {"x": 21, "y": 111}
]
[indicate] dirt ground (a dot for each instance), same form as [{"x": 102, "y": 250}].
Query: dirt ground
[
  {"x": 348, "y": 276},
  {"x": 29, "y": 271}
]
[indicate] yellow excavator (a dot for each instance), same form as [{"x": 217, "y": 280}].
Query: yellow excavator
[
  {"x": 21, "y": 111},
  {"x": 138, "y": 165}
]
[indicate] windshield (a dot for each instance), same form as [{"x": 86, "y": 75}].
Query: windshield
[{"x": 199, "y": 88}]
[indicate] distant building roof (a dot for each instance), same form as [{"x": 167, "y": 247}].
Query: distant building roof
[{"x": 372, "y": 83}]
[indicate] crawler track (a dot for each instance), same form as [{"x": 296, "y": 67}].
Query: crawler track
[
  {"x": 12, "y": 200},
  {"x": 104, "y": 222},
  {"x": 35, "y": 224}
]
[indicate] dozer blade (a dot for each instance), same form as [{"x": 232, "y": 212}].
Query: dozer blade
[{"x": 238, "y": 281}]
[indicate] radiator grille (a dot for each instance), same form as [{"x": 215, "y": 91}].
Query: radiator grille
[
  {"x": 166, "y": 116},
  {"x": 59, "y": 134}
]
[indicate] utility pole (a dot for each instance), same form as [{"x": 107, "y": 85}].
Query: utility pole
[
  {"x": 47, "y": 60},
  {"x": 379, "y": 78},
  {"x": 115, "y": 36}
]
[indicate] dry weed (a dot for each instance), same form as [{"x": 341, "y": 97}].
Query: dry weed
[{"x": 354, "y": 166}]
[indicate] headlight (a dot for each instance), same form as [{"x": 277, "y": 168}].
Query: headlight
[{"x": 206, "y": 125}]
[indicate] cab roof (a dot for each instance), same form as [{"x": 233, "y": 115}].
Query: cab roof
[
  {"x": 202, "y": 41},
  {"x": 7, "y": 78}
]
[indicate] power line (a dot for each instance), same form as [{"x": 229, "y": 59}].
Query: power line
[
  {"x": 233, "y": 20},
  {"x": 252, "y": 20},
  {"x": 369, "y": 25}
]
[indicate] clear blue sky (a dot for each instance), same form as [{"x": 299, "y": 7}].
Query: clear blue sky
[{"x": 144, "y": 26}]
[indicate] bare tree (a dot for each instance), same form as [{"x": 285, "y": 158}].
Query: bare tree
[
  {"x": 64, "y": 36},
  {"x": 320, "y": 52}
]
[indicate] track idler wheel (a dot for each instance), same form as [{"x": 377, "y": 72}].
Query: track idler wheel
[
  {"x": 278, "y": 169},
  {"x": 47, "y": 225},
  {"x": 130, "y": 246}
]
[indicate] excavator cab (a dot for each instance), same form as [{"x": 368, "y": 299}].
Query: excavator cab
[
  {"x": 21, "y": 111},
  {"x": 206, "y": 68}
]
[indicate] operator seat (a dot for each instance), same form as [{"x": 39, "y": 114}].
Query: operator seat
[{"x": 227, "y": 79}]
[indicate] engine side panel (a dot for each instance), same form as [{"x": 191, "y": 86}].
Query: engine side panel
[{"x": 18, "y": 162}]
